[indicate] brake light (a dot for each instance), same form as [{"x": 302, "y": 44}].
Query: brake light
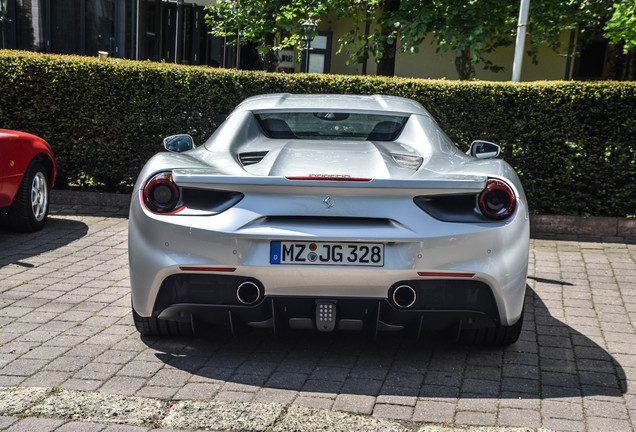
[
  {"x": 497, "y": 200},
  {"x": 331, "y": 178},
  {"x": 445, "y": 274},
  {"x": 161, "y": 194}
]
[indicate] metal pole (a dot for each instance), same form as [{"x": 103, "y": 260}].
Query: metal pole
[
  {"x": 524, "y": 9},
  {"x": 367, "y": 29},
  {"x": 307, "y": 43},
  {"x": 138, "y": 31},
  {"x": 568, "y": 63},
  {"x": 178, "y": 37}
]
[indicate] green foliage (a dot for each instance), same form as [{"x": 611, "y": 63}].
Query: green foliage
[
  {"x": 573, "y": 144},
  {"x": 621, "y": 28},
  {"x": 272, "y": 25}
]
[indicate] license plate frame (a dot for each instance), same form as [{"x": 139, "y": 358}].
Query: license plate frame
[{"x": 349, "y": 254}]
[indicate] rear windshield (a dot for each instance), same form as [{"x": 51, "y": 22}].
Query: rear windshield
[{"x": 331, "y": 126}]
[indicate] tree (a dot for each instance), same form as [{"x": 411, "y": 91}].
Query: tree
[
  {"x": 621, "y": 28},
  {"x": 470, "y": 29},
  {"x": 272, "y": 25}
]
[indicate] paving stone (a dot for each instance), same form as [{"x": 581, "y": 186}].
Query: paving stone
[
  {"x": 35, "y": 424},
  {"x": 275, "y": 395},
  {"x": 100, "y": 408},
  {"x": 519, "y": 417},
  {"x": 233, "y": 396},
  {"x": 601, "y": 424},
  {"x": 15, "y": 401},
  {"x": 562, "y": 410},
  {"x": 198, "y": 391},
  {"x": 302, "y": 419},
  {"x": 563, "y": 425},
  {"x": 81, "y": 427},
  {"x": 434, "y": 412},
  {"x": 354, "y": 403},
  {"x": 314, "y": 402},
  {"x": 159, "y": 392},
  {"x": 126, "y": 428},
  {"x": 47, "y": 379},
  {"x": 122, "y": 385},
  {"x": 223, "y": 415},
  {"x": 473, "y": 418},
  {"x": 396, "y": 412},
  {"x": 477, "y": 404}
]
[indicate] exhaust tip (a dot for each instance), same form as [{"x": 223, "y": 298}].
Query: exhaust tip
[
  {"x": 248, "y": 293},
  {"x": 404, "y": 296}
]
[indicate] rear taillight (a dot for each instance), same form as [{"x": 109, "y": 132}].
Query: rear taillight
[
  {"x": 497, "y": 200},
  {"x": 161, "y": 194}
]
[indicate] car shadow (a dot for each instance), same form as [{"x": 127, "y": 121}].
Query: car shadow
[
  {"x": 15, "y": 247},
  {"x": 551, "y": 359}
]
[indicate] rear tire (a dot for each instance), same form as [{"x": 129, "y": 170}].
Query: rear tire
[
  {"x": 150, "y": 326},
  {"x": 499, "y": 335},
  {"x": 30, "y": 208}
]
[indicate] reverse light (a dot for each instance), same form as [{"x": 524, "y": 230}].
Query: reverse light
[
  {"x": 497, "y": 200},
  {"x": 161, "y": 194}
]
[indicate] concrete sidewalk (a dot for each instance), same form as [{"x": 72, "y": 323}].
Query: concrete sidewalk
[{"x": 71, "y": 359}]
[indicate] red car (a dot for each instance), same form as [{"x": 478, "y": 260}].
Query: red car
[{"x": 27, "y": 173}]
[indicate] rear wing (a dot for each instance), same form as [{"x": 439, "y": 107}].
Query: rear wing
[{"x": 203, "y": 179}]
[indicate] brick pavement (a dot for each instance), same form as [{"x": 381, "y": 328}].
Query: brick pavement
[{"x": 65, "y": 323}]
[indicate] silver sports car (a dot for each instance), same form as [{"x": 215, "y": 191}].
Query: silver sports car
[{"x": 329, "y": 212}]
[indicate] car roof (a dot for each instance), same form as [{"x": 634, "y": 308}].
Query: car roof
[{"x": 381, "y": 104}]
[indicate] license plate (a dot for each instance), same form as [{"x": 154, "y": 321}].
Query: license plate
[{"x": 322, "y": 253}]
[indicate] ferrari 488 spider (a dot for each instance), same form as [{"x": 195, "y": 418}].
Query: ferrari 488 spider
[{"x": 329, "y": 212}]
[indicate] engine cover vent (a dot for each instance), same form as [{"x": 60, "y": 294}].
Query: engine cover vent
[{"x": 251, "y": 158}]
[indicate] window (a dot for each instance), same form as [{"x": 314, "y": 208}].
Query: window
[
  {"x": 331, "y": 126},
  {"x": 320, "y": 54},
  {"x": 66, "y": 27},
  {"x": 100, "y": 27}
]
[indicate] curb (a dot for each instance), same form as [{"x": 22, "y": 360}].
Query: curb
[
  {"x": 122, "y": 412},
  {"x": 580, "y": 225},
  {"x": 539, "y": 224}
]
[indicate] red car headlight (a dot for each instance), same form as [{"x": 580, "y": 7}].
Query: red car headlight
[
  {"x": 497, "y": 200},
  {"x": 161, "y": 194}
]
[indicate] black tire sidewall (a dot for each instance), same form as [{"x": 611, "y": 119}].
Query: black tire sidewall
[{"x": 21, "y": 215}]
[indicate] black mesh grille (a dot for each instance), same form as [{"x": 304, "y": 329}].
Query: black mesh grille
[{"x": 251, "y": 158}]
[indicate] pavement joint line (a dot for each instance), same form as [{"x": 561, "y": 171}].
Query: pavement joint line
[{"x": 112, "y": 409}]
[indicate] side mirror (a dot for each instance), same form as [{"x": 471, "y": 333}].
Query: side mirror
[
  {"x": 178, "y": 143},
  {"x": 484, "y": 149}
]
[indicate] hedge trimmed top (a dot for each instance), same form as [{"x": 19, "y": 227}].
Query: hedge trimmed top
[{"x": 572, "y": 143}]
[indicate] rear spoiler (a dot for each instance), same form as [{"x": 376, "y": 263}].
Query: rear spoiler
[{"x": 202, "y": 179}]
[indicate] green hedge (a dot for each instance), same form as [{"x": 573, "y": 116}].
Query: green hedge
[{"x": 572, "y": 143}]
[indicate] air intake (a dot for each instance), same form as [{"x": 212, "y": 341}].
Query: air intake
[{"x": 251, "y": 158}]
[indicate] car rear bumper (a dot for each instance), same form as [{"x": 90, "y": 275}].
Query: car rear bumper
[{"x": 445, "y": 259}]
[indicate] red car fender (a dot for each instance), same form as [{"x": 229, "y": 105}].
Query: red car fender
[{"x": 17, "y": 150}]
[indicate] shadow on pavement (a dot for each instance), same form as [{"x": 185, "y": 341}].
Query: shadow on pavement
[
  {"x": 16, "y": 246},
  {"x": 551, "y": 360}
]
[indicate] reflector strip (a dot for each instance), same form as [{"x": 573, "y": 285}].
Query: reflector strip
[
  {"x": 332, "y": 178},
  {"x": 459, "y": 275},
  {"x": 210, "y": 269}
]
